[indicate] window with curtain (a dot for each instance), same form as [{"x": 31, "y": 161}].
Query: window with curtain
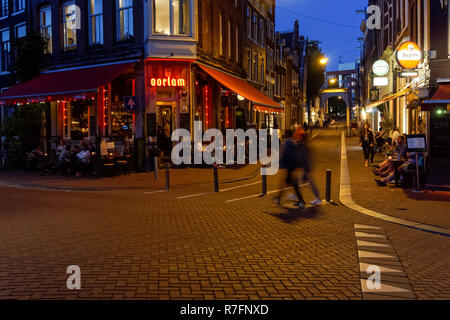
[
  {"x": 69, "y": 24},
  {"x": 172, "y": 17},
  {"x": 95, "y": 22},
  {"x": 124, "y": 19},
  {"x": 46, "y": 28},
  {"x": 5, "y": 50}
]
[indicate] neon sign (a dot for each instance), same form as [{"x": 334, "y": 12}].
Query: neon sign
[{"x": 167, "y": 82}]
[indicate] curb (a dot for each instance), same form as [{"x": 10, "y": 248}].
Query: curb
[{"x": 345, "y": 197}]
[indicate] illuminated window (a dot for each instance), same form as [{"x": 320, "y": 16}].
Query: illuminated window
[
  {"x": 124, "y": 19},
  {"x": 249, "y": 64},
  {"x": 172, "y": 17},
  {"x": 96, "y": 22},
  {"x": 69, "y": 25},
  {"x": 46, "y": 28}
]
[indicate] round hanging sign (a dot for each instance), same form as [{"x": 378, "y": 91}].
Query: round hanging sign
[
  {"x": 380, "y": 68},
  {"x": 409, "y": 55}
]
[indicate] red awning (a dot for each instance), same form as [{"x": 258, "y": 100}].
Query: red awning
[
  {"x": 244, "y": 89},
  {"x": 441, "y": 96},
  {"x": 76, "y": 82}
]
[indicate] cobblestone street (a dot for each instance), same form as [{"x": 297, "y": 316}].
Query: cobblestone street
[{"x": 134, "y": 242}]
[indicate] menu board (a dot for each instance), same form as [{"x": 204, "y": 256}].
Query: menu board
[{"x": 416, "y": 143}]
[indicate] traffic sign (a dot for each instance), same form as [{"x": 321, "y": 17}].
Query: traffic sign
[{"x": 131, "y": 104}]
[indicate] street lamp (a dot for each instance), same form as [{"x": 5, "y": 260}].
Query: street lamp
[
  {"x": 333, "y": 81},
  {"x": 323, "y": 61}
]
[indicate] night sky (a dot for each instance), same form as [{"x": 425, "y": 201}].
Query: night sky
[{"x": 338, "y": 35}]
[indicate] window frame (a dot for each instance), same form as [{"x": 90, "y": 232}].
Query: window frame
[
  {"x": 15, "y": 2},
  {"x": 119, "y": 36},
  {"x": 17, "y": 26},
  {"x": 90, "y": 17},
  {"x": 171, "y": 23},
  {"x": 47, "y": 27},
  {"x": 4, "y": 11},
  {"x": 5, "y": 68},
  {"x": 66, "y": 46}
]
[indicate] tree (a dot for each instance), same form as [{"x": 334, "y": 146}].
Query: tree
[
  {"x": 22, "y": 133},
  {"x": 28, "y": 52},
  {"x": 315, "y": 72}
]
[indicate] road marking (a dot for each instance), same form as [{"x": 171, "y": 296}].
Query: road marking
[
  {"x": 259, "y": 194},
  {"x": 157, "y": 191},
  {"x": 221, "y": 190},
  {"x": 393, "y": 282}
]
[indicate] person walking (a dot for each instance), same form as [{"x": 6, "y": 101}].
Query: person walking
[
  {"x": 307, "y": 167},
  {"x": 290, "y": 160},
  {"x": 367, "y": 141}
]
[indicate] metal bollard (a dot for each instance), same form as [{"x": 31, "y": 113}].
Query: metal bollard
[
  {"x": 328, "y": 186},
  {"x": 264, "y": 183},
  {"x": 155, "y": 163},
  {"x": 167, "y": 178},
  {"x": 216, "y": 178}
]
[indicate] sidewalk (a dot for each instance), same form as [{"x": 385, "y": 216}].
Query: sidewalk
[
  {"x": 430, "y": 208},
  {"x": 178, "y": 178}
]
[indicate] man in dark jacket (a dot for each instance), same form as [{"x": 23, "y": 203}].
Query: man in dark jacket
[{"x": 291, "y": 159}]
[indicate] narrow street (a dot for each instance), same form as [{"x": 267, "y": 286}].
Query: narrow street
[{"x": 191, "y": 243}]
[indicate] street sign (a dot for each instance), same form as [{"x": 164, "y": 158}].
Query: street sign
[
  {"x": 380, "y": 68},
  {"x": 130, "y": 104},
  {"x": 409, "y": 55},
  {"x": 409, "y": 74},
  {"x": 380, "y": 81}
]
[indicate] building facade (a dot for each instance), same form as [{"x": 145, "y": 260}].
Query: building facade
[{"x": 409, "y": 102}]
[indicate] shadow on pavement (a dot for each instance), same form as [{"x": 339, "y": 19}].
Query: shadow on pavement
[{"x": 294, "y": 214}]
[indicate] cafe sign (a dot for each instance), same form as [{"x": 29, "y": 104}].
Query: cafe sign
[
  {"x": 380, "y": 68},
  {"x": 409, "y": 55}
]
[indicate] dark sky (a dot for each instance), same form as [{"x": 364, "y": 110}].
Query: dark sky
[{"x": 338, "y": 35}]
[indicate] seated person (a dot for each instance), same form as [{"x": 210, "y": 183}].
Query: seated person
[
  {"x": 84, "y": 159},
  {"x": 64, "y": 159},
  {"x": 410, "y": 163}
]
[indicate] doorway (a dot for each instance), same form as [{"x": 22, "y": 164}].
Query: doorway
[{"x": 165, "y": 119}]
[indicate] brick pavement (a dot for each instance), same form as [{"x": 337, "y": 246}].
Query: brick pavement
[{"x": 135, "y": 246}]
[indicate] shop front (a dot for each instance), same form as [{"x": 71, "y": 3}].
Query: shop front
[
  {"x": 83, "y": 104},
  {"x": 225, "y": 101},
  {"x": 168, "y": 105}
]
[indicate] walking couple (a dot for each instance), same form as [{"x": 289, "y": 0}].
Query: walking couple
[{"x": 295, "y": 155}]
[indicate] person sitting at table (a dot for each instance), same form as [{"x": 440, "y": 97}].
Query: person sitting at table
[
  {"x": 385, "y": 168},
  {"x": 64, "y": 159},
  {"x": 84, "y": 159},
  {"x": 409, "y": 164}
]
